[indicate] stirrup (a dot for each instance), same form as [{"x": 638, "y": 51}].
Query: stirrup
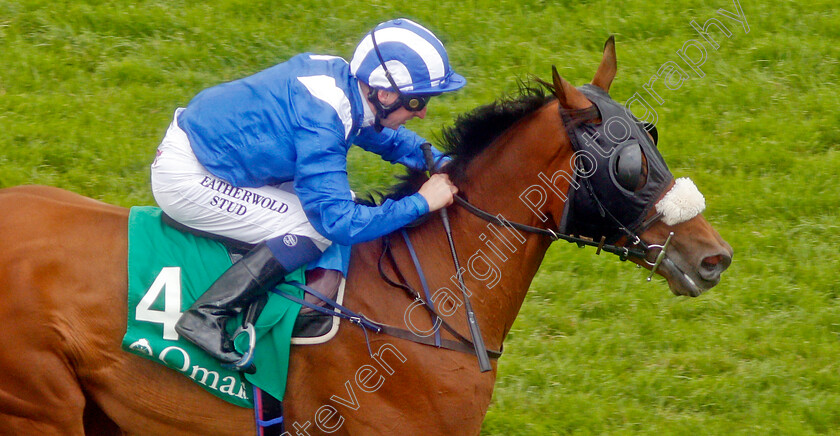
[{"x": 246, "y": 363}]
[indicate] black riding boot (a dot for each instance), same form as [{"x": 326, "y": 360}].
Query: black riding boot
[{"x": 250, "y": 277}]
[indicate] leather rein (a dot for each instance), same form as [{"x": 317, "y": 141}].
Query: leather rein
[
  {"x": 638, "y": 250},
  {"x": 622, "y": 252}
]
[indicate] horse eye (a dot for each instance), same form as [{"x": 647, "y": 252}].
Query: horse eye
[
  {"x": 628, "y": 167},
  {"x": 651, "y": 130}
]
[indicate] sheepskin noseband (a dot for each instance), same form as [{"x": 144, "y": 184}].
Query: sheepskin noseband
[{"x": 682, "y": 203}]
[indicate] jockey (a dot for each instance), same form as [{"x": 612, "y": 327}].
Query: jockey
[{"x": 263, "y": 160}]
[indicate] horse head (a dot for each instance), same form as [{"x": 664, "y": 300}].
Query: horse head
[{"x": 633, "y": 200}]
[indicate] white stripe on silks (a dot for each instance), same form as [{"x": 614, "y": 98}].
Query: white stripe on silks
[
  {"x": 682, "y": 203},
  {"x": 430, "y": 56},
  {"x": 324, "y": 88},
  {"x": 324, "y": 57}
]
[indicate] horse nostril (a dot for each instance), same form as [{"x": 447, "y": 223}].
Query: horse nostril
[
  {"x": 712, "y": 266},
  {"x": 711, "y": 262}
]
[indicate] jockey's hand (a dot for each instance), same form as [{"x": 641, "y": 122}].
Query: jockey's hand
[{"x": 438, "y": 191}]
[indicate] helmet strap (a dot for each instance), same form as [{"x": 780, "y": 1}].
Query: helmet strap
[{"x": 382, "y": 110}]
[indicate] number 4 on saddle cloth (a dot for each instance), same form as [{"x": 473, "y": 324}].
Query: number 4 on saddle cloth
[{"x": 168, "y": 269}]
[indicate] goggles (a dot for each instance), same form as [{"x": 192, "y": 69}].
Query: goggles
[{"x": 414, "y": 103}]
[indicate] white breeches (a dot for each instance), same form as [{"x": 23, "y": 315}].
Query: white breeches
[{"x": 191, "y": 195}]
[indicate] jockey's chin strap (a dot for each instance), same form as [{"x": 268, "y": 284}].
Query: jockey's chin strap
[{"x": 382, "y": 110}]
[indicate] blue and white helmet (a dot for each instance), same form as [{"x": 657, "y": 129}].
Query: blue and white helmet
[{"x": 413, "y": 55}]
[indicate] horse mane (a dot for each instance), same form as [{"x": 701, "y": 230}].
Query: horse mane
[{"x": 473, "y": 132}]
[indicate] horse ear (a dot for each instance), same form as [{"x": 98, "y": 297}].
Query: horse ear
[
  {"x": 606, "y": 71},
  {"x": 558, "y": 90},
  {"x": 567, "y": 95}
]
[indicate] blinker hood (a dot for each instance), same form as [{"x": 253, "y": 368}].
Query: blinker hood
[{"x": 606, "y": 199}]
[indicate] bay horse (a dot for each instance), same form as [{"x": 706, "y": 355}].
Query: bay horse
[{"x": 63, "y": 303}]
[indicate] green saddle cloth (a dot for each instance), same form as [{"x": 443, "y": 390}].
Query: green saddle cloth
[{"x": 167, "y": 271}]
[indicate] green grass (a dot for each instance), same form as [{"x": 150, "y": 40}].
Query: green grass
[{"x": 87, "y": 89}]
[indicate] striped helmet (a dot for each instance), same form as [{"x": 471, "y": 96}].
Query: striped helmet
[{"x": 414, "y": 57}]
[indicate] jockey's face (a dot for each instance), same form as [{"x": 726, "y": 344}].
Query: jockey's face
[{"x": 400, "y": 116}]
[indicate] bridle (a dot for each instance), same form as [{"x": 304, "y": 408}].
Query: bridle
[{"x": 636, "y": 248}]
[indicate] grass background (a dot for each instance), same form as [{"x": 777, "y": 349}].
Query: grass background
[{"x": 87, "y": 89}]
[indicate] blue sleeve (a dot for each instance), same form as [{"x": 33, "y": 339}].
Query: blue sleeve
[
  {"x": 322, "y": 186},
  {"x": 398, "y": 146}
]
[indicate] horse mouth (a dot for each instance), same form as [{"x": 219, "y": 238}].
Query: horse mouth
[{"x": 681, "y": 282}]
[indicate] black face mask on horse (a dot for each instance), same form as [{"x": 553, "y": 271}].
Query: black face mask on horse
[{"x": 619, "y": 172}]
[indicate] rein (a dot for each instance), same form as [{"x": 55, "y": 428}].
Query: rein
[
  {"x": 462, "y": 344},
  {"x": 472, "y": 321},
  {"x": 638, "y": 249},
  {"x": 572, "y": 119},
  {"x": 622, "y": 252}
]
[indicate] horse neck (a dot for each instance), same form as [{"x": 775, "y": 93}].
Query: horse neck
[{"x": 501, "y": 262}]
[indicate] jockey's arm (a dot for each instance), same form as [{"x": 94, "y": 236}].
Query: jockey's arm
[{"x": 322, "y": 186}]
